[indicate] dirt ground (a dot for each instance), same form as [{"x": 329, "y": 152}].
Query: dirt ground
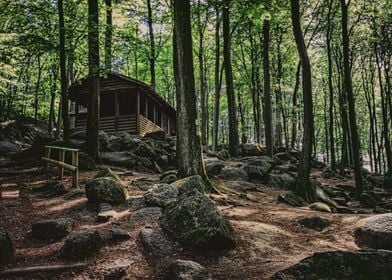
[{"x": 269, "y": 237}]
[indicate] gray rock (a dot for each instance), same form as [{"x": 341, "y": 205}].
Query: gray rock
[
  {"x": 7, "y": 147},
  {"x": 161, "y": 195},
  {"x": 118, "y": 234},
  {"x": 136, "y": 203},
  {"x": 146, "y": 214},
  {"x": 367, "y": 200},
  {"x": 81, "y": 245},
  {"x": 375, "y": 232},
  {"x": 214, "y": 168},
  {"x": 143, "y": 184},
  {"x": 342, "y": 265},
  {"x": 195, "y": 220},
  {"x": 252, "y": 149},
  {"x": 344, "y": 210},
  {"x": 6, "y": 247},
  {"x": 236, "y": 174},
  {"x": 52, "y": 229},
  {"x": 155, "y": 242},
  {"x": 105, "y": 212},
  {"x": 105, "y": 189},
  {"x": 168, "y": 179},
  {"x": 284, "y": 181},
  {"x": 258, "y": 168},
  {"x": 315, "y": 222},
  {"x": 115, "y": 145},
  {"x": 189, "y": 185},
  {"x": 107, "y": 172},
  {"x": 158, "y": 135},
  {"x": 51, "y": 189},
  {"x": 187, "y": 270}
]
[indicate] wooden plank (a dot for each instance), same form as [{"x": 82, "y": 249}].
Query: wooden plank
[
  {"x": 63, "y": 148},
  {"x": 62, "y": 164},
  {"x": 61, "y": 159}
]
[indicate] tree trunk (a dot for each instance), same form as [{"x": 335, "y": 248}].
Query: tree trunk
[
  {"x": 37, "y": 88},
  {"x": 152, "y": 44},
  {"x": 189, "y": 154},
  {"x": 231, "y": 102},
  {"x": 303, "y": 185},
  {"x": 330, "y": 88},
  {"x": 216, "y": 80},
  {"x": 294, "y": 113},
  {"x": 355, "y": 141},
  {"x": 91, "y": 145},
  {"x": 63, "y": 75},
  {"x": 108, "y": 35},
  {"x": 269, "y": 131}
]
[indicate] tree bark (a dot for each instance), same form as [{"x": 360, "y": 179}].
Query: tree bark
[
  {"x": 152, "y": 44},
  {"x": 216, "y": 80},
  {"x": 303, "y": 185},
  {"x": 91, "y": 144},
  {"x": 355, "y": 141},
  {"x": 189, "y": 154},
  {"x": 269, "y": 130},
  {"x": 231, "y": 100},
  {"x": 108, "y": 35}
]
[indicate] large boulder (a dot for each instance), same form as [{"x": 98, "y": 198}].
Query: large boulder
[
  {"x": 284, "y": 181},
  {"x": 107, "y": 172},
  {"x": 187, "y": 270},
  {"x": 214, "y": 168},
  {"x": 161, "y": 195},
  {"x": 189, "y": 185},
  {"x": 375, "y": 232},
  {"x": 81, "y": 245},
  {"x": 155, "y": 242},
  {"x": 52, "y": 229},
  {"x": 146, "y": 214},
  {"x": 86, "y": 163},
  {"x": 315, "y": 222},
  {"x": 8, "y": 147},
  {"x": 234, "y": 174},
  {"x": 6, "y": 247},
  {"x": 258, "y": 168},
  {"x": 195, "y": 220},
  {"x": 158, "y": 135},
  {"x": 359, "y": 265},
  {"x": 105, "y": 189},
  {"x": 252, "y": 149}
]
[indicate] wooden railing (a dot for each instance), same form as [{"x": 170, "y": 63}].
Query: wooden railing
[{"x": 60, "y": 163}]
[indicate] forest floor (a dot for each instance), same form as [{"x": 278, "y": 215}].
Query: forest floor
[{"x": 270, "y": 238}]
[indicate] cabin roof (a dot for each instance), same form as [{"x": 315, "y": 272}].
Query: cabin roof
[{"x": 80, "y": 87}]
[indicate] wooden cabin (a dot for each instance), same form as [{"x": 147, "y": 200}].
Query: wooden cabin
[{"x": 126, "y": 105}]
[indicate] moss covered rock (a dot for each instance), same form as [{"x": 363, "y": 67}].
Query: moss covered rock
[
  {"x": 52, "y": 229},
  {"x": 195, "y": 220},
  {"x": 81, "y": 245},
  {"x": 190, "y": 185},
  {"x": 161, "y": 195},
  {"x": 319, "y": 206},
  {"x": 107, "y": 172},
  {"x": 105, "y": 189},
  {"x": 6, "y": 247}
]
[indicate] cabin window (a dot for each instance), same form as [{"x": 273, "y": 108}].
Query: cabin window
[
  {"x": 127, "y": 104},
  {"x": 107, "y": 108},
  {"x": 151, "y": 111}
]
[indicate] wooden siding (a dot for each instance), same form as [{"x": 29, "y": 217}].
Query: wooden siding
[
  {"x": 111, "y": 124},
  {"x": 147, "y": 126}
]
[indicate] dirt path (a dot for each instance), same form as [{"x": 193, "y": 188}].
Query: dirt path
[{"x": 270, "y": 238}]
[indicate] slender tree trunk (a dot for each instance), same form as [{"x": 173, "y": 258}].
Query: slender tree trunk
[
  {"x": 63, "y": 75},
  {"x": 52, "y": 100},
  {"x": 355, "y": 141},
  {"x": 294, "y": 113},
  {"x": 232, "y": 107},
  {"x": 330, "y": 88},
  {"x": 108, "y": 35},
  {"x": 189, "y": 155},
  {"x": 92, "y": 147},
  {"x": 37, "y": 88},
  {"x": 216, "y": 80},
  {"x": 152, "y": 44},
  {"x": 303, "y": 185},
  {"x": 269, "y": 131}
]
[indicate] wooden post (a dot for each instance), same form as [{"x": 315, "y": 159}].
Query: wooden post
[
  {"x": 61, "y": 159},
  {"x": 75, "y": 162},
  {"x": 116, "y": 110},
  {"x": 138, "y": 114},
  {"x": 155, "y": 114},
  {"x": 146, "y": 107}
]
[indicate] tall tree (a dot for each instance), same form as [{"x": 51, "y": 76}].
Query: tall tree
[
  {"x": 108, "y": 35},
  {"x": 91, "y": 144},
  {"x": 303, "y": 185},
  {"x": 348, "y": 88},
  {"x": 269, "y": 130},
  {"x": 231, "y": 100},
  {"x": 217, "y": 79},
  {"x": 152, "y": 44},
  {"x": 63, "y": 74},
  {"x": 189, "y": 155}
]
